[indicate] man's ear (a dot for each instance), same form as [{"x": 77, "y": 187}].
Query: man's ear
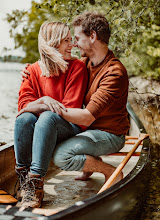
[{"x": 93, "y": 36}]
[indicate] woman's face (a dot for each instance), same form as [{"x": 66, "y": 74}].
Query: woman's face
[{"x": 66, "y": 46}]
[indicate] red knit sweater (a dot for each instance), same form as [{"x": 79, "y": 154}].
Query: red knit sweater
[{"x": 68, "y": 88}]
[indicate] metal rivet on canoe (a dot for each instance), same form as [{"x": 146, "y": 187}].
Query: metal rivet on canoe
[
  {"x": 145, "y": 148},
  {"x": 79, "y": 203},
  {"x": 138, "y": 167}
]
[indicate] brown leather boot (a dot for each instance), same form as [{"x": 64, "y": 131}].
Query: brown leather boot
[
  {"x": 34, "y": 193},
  {"x": 22, "y": 173}
]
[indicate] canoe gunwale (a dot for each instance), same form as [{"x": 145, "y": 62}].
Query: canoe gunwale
[{"x": 6, "y": 146}]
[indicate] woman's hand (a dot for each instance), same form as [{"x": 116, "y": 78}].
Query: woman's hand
[
  {"x": 34, "y": 108},
  {"x": 24, "y": 72},
  {"x": 53, "y": 105},
  {"x": 42, "y": 104}
]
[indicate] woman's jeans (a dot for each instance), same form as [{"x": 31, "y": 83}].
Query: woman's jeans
[
  {"x": 71, "y": 154},
  {"x": 35, "y": 139}
]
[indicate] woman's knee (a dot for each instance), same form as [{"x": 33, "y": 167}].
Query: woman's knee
[
  {"x": 48, "y": 117},
  {"x": 26, "y": 119}
]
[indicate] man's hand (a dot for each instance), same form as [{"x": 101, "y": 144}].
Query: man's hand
[
  {"x": 24, "y": 72},
  {"x": 78, "y": 116},
  {"x": 53, "y": 105}
]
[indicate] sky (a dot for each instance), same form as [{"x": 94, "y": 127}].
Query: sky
[{"x": 6, "y": 6}]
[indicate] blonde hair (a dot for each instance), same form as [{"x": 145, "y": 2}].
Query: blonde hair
[{"x": 50, "y": 36}]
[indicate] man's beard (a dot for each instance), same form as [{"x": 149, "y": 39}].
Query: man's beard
[
  {"x": 86, "y": 53},
  {"x": 83, "y": 54}
]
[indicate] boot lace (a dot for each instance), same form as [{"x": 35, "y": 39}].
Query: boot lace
[
  {"x": 30, "y": 188},
  {"x": 20, "y": 180}
]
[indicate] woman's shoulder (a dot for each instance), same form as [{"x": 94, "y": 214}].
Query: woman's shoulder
[
  {"x": 34, "y": 68},
  {"x": 76, "y": 61}
]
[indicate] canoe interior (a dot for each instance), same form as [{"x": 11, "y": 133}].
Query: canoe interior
[{"x": 61, "y": 190}]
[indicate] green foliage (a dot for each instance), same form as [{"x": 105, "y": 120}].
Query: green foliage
[
  {"x": 31, "y": 20},
  {"x": 135, "y": 29},
  {"x": 145, "y": 54}
]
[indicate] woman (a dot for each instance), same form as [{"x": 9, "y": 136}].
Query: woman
[{"x": 55, "y": 82}]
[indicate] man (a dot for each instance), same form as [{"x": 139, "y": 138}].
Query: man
[{"x": 105, "y": 113}]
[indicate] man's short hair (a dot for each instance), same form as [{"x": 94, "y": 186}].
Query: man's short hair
[{"x": 93, "y": 21}]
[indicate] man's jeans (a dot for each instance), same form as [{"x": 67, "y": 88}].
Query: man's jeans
[
  {"x": 71, "y": 154},
  {"x": 35, "y": 139}
]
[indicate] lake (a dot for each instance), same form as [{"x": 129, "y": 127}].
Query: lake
[{"x": 9, "y": 88}]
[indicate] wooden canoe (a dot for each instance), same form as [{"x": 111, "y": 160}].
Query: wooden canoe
[{"x": 68, "y": 199}]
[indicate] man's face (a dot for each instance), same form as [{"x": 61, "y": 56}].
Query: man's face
[{"x": 82, "y": 42}]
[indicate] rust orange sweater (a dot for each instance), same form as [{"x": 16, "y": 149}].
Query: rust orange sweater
[
  {"x": 107, "y": 93},
  {"x": 68, "y": 88}
]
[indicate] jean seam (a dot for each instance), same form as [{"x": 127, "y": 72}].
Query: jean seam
[
  {"x": 119, "y": 144},
  {"x": 66, "y": 129}
]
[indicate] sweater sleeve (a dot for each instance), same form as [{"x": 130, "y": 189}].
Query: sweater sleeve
[
  {"x": 76, "y": 85},
  {"x": 112, "y": 87},
  {"x": 28, "y": 90}
]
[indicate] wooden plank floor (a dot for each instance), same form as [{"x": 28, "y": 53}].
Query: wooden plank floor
[{"x": 62, "y": 191}]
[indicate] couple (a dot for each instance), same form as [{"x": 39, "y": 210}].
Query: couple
[{"x": 51, "y": 122}]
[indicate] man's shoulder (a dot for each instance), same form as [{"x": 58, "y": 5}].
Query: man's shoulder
[
  {"x": 114, "y": 64},
  {"x": 117, "y": 64}
]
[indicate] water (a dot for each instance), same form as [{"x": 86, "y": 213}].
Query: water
[
  {"x": 151, "y": 121},
  {"x": 9, "y": 87},
  {"x": 151, "y": 208},
  {"x": 10, "y": 83}
]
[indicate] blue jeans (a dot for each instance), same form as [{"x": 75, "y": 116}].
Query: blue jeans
[
  {"x": 35, "y": 139},
  {"x": 71, "y": 154}
]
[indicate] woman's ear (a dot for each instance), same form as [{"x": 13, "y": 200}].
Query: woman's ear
[{"x": 93, "y": 36}]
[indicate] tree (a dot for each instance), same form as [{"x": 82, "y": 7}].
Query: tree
[
  {"x": 134, "y": 24},
  {"x": 31, "y": 20}
]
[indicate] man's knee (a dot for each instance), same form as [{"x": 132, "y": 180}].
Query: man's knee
[
  {"x": 69, "y": 162},
  {"x": 63, "y": 156},
  {"x": 69, "y": 154},
  {"x": 61, "y": 159}
]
